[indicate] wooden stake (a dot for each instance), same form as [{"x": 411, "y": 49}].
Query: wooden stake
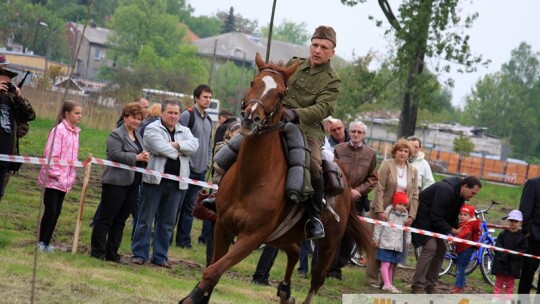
[{"x": 87, "y": 170}]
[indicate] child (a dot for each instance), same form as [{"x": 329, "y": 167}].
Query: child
[
  {"x": 507, "y": 266},
  {"x": 390, "y": 241},
  {"x": 59, "y": 179},
  {"x": 469, "y": 229}
]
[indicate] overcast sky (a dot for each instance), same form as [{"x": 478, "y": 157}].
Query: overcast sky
[{"x": 501, "y": 26}]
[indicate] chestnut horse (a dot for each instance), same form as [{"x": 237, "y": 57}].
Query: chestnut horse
[{"x": 251, "y": 201}]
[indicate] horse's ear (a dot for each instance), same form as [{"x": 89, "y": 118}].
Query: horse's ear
[
  {"x": 290, "y": 70},
  {"x": 258, "y": 60}
]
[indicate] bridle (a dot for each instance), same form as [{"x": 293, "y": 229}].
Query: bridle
[{"x": 265, "y": 125}]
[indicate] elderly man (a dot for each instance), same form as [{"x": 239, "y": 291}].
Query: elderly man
[
  {"x": 338, "y": 133},
  {"x": 360, "y": 164},
  {"x": 170, "y": 144}
]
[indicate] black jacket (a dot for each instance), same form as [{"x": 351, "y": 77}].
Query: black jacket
[
  {"x": 507, "y": 263},
  {"x": 438, "y": 209},
  {"x": 530, "y": 207}
]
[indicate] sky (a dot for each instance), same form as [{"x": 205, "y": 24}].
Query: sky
[{"x": 501, "y": 26}]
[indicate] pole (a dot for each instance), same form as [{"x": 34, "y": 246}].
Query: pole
[
  {"x": 87, "y": 170},
  {"x": 270, "y": 29}
]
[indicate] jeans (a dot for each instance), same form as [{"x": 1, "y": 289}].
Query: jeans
[
  {"x": 205, "y": 232},
  {"x": 158, "y": 202},
  {"x": 462, "y": 260},
  {"x": 304, "y": 253},
  {"x": 184, "y": 214}
]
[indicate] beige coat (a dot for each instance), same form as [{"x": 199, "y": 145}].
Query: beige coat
[{"x": 387, "y": 186}]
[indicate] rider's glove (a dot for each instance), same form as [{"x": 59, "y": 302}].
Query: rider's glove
[{"x": 289, "y": 116}]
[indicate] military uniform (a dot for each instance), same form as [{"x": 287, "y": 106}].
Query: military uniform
[{"x": 313, "y": 94}]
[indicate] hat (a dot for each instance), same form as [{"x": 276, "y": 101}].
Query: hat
[
  {"x": 469, "y": 209},
  {"x": 514, "y": 215},
  {"x": 3, "y": 70},
  {"x": 400, "y": 198},
  {"x": 325, "y": 32}
]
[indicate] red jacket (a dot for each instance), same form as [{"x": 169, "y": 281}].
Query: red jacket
[{"x": 470, "y": 230}]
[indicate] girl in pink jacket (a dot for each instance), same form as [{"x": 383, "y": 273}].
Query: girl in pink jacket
[{"x": 58, "y": 180}]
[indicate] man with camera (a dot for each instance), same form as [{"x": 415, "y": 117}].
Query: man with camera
[{"x": 15, "y": 111}]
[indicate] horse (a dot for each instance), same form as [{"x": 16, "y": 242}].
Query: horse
[{"x": 251, "y": 200}]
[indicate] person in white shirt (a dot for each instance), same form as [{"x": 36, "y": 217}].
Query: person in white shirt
[{"x": 425, "y": 176}]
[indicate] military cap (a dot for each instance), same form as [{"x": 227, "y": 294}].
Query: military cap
[
  {"x": 3, "y": 65},
  {"x": 325, "y": 32}
]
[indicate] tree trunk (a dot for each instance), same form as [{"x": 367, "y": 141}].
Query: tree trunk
[{"x": 414, "y": 50}]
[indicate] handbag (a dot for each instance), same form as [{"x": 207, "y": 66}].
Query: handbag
[{"x": 200, "y": 211}]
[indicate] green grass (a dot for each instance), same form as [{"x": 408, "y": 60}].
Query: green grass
[{"x": 65, "y": 278}]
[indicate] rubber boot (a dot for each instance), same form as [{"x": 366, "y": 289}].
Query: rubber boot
[{"x": 314, "y": 228}]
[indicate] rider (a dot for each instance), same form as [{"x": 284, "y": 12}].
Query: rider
[{"x": 311, "y": 97}]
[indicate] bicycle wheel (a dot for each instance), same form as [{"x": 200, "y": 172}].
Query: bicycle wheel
[
  {"x": 448, "y": 261},
  {"x": 486, "y": 264}
]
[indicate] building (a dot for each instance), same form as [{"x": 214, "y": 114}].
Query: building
[{"x": 93, "y": 49}]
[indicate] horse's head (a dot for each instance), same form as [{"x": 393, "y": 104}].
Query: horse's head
[{"x": 262, "y": 103}]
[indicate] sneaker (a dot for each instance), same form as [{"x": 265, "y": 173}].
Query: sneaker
[
  {"x": 456, "y": 290},
  {"x": 302, "y": 274},
  {"x": 391, "y": 289},
  {"x": 263, "y": 282},
  {"x": 49, "y": 249},
  {"x": 375, "y": 285},
  {"x": 137, "y": 261},
  {"x": 41, "y": 246}
]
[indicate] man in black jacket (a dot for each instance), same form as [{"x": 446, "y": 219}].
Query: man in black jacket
[
  {"x": 530, "y": 207},
  {"x": 438, "y": 212}
]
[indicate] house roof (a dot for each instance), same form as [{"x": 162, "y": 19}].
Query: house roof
[
  {"x": 234, "y": 45},
  {"x": 94, "y": 34}
]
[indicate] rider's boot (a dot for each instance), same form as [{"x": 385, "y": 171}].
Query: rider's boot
[
  {"x": 314, "y": 228},
  {"x": 210, "y": 203}
]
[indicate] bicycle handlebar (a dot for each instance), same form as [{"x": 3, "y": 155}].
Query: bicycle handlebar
[{"x": 485, "y": 211}]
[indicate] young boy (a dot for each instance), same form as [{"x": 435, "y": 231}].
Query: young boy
[
  {"x": 506, "y": 266},
  {"x": 469, "y": 229}
]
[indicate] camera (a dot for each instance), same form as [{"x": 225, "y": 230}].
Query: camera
[{"x": 11, "y": 88}]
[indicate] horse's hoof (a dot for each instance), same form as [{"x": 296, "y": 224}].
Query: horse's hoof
[{"x": 290, "y": 300}]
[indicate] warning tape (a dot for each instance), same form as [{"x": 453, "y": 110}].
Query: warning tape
[
  {"x": 444, "y": 237},
  {"x": 103, "y": 162}
]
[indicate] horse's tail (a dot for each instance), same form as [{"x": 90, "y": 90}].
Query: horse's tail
[{"x": 361, "y": 233}]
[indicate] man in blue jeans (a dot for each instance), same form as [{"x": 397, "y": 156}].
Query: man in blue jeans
[
  {"x": 169, "y": 144},
  {"x": 200, "y": 125}
]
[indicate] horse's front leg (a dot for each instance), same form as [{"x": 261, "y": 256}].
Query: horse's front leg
[
  {"x": 202, "y": 292},
  {"x": 284, "y": 288}
]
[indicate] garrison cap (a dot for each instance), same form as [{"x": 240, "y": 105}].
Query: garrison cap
[{"x": 325, "y": 32}]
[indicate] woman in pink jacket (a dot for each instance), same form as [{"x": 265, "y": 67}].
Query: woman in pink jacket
[{"x": 58, "y": 180}]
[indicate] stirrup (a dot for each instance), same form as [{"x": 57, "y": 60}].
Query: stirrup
[{"x": 309, "y": 232}]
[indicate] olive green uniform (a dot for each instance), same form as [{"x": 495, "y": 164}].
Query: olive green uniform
[{"x": 313, "y": 94}]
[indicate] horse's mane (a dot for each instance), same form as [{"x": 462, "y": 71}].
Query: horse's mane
[{"x": 279, "y": 66}]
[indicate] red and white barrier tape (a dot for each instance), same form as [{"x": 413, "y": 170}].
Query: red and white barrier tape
[
  {"x": 443, "y": 236},
  {"x": 103, "y": 162}
]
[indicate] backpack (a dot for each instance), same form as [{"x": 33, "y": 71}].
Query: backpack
[{"x": 192, "y": 118}]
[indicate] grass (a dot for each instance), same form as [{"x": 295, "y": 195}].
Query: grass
[{"x": 62, "y": 277}]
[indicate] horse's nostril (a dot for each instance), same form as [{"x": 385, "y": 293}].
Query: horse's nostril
[
  {"x": 243, "y": 114},
  {"x": 257, "y": 119}
]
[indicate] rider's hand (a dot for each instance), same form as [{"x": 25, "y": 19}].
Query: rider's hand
[{"x": 289, "y": 116}]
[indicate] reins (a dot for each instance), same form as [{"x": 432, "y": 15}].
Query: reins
[{"x": 265, "y": 126}]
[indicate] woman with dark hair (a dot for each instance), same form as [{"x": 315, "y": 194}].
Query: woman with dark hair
[
  {"x": 58, "y": 180},
  {"x": 120, "y": 188},
  {"x": 395, "y": 175}
]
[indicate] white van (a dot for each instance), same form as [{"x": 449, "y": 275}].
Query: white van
[{"x": 187, "y": 100}]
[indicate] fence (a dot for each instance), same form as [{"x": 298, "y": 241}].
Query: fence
[{"x": 455, "y": 163}]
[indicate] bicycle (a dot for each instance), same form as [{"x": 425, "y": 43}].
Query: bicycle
[{"x": 482, "y": 257}]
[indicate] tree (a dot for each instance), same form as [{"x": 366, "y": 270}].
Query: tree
[
  {"x": 236, "y": 23},
  {"x": 463, "y": 145},
  {"x": 205, "y": 26},
  {"x": 503, "y": 101},
  {"x": 423, "y": 30},
  {"x": 288, "y": 31}
]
